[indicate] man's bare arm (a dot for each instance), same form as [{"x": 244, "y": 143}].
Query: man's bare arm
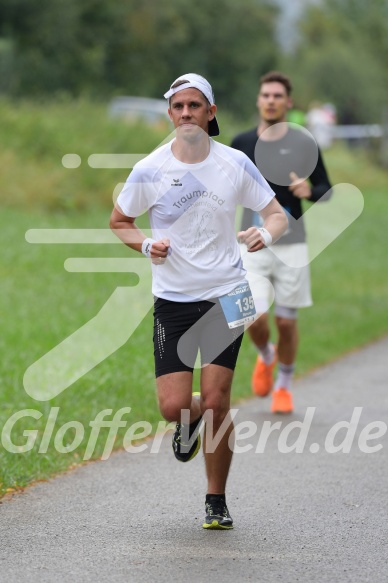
[
  {"x": 129, "y": 233},
  {"x": 275, "y": 222}
]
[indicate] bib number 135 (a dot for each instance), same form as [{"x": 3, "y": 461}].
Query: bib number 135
[
  {"x": 245, "y": 304},
  {"x": 238, "y": 306}
]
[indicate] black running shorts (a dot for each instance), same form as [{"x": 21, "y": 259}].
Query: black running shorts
[{"x": 181, "y": 329}]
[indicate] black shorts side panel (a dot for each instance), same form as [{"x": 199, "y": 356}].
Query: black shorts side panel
[{"x": 181, "y": 329}]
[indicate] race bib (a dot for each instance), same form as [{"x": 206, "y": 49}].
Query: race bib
[{"x": 238, "y": 306}]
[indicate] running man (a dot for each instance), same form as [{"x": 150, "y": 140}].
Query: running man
[
  {"x": 286, "y": 156},
  {"x": 191, "y": 188}
]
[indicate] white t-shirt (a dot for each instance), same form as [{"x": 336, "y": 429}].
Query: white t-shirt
[{"x": 194, "y": 205}]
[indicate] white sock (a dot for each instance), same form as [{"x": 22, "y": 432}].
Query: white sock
[
  {"x": 284, "y": 376},
  {"x": 267, "y": 352}
]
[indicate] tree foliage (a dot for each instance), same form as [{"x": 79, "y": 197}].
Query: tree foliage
[
  {"x": 341, "y": 57},
  {"x": 100, "y": 48},
  {"x": 97, "y": 48}
]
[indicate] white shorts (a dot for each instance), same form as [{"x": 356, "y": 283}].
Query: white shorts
[{"x": 272, "y": 279}]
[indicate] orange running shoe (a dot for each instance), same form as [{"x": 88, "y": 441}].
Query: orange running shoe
[
  {"x": 262, "y": 377},
  {"x": 282, "y": 401}
]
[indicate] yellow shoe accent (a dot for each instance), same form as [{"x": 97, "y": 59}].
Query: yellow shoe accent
[
  {"x": 216, "y": 526},
  {"x": 194, "y": 453},
  {"x": 185, "y": 456}
]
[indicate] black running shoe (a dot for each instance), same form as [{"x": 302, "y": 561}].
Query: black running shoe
[
  {"x": 217, "y": 514},
  {"x": 186, "y": 441}
]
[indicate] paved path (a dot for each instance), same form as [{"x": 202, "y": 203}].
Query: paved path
[{"x": 299, "y": 517}]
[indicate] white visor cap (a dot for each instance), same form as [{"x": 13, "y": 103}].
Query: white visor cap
[{"x": 200, "y": 83}]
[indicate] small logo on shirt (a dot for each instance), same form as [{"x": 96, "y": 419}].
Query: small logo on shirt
[
  {"x": 176, "y": 182},
  {"x": 284, "y": 151}
]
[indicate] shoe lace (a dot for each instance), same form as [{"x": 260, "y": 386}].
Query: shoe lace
[
  {"x": 217, "y": 508},
  {"x": 178, "y": 438},
  {"x": 178, "y": 435}
]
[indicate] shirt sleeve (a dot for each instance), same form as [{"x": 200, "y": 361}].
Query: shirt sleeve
[
  {"x": 320, "y": 183},
  {"x": 139, "y": 192},
  {"x": 255, "y": 193}
]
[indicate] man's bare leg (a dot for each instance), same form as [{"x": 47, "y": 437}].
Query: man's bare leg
[
  {"x": 175, "y": 394},
  {"x": 216, "y": 382},
  {"x": 288, "y": 339}
]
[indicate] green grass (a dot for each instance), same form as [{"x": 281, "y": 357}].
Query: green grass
[
  {"x": 41, "y": 303},
  {"x": 35, "y": 137}
]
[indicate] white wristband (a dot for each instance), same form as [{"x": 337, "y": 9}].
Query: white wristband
[
  {"x": 146, "y": 246},
  {"x": 267, "y": 238}
]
